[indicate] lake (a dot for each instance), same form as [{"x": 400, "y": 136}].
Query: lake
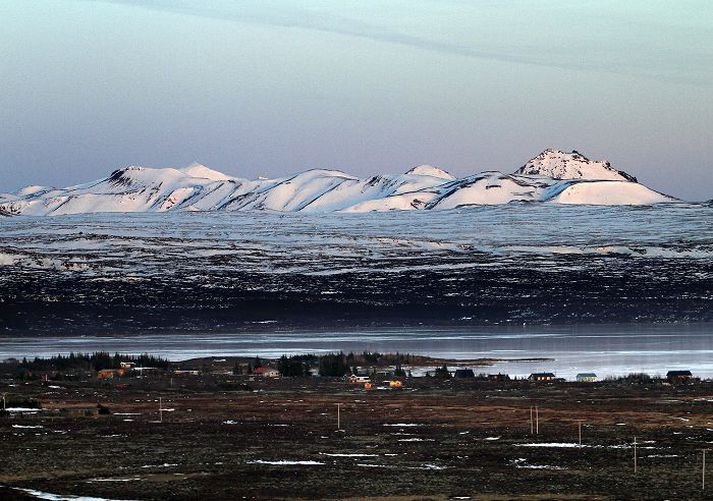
[{"x": 606, "y": 350}]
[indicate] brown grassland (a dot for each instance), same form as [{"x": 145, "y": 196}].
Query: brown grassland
[{"x": 225, "y": 436}]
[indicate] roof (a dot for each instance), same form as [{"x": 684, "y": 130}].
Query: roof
[
  {"x": 263, "y": 370},
  {"x": 542, "y": 374},
  {"x": 678, "y": 373},
  {"x": 586, "y": 374}
]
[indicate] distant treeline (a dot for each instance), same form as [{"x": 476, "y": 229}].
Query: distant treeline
[
  {"x": 340, "y": 364},
  {"x": 96, "y": 361}
]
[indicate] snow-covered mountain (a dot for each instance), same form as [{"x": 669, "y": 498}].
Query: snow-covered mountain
[
  {"x": 551, "y": 177},
  {"x": 560, "y": 165}
]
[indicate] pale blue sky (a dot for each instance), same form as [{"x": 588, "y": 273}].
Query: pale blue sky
[{"x": 270, "y": 87}]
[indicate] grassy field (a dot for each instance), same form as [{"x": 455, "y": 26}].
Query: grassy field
[{"x": 228, "y": 437}]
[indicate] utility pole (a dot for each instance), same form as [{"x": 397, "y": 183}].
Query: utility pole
[
  {"x": 4, "y": 406},
  {"x": 703, "y": 471},
  {"x": 160, "y": 410},
  {"x": 635, "y": 465},
  {"x": 579, "y": 423},
  {"x": 339, "y": 417},
  {"x": 532, "y": 421},
  {"x": 537, "y": 420}
]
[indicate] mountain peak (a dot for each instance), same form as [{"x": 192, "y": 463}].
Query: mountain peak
[
  {"x": 429, "y": 170},
  {"x": 557, "y": 177},
  {"x": 559, "y": 164},
  {"x": 200, "y": 170}
]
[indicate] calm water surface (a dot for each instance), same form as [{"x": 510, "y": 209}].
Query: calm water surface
[{"x": 606, "y": 350}]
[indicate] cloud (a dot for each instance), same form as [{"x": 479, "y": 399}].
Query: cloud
[{"x": 294, "y": 15}]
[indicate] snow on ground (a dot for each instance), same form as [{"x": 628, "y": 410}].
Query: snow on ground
[
  {"x": 286, "y": 462},
  {"x": 57, "y": 497},
  {"x": 346, "y": 455},
  {"x": 553, "y": 176},
  {"x": 426, "y": 466},
  {"x": 28, "y": 410},
  {"x": 521, "y": 463},
  {"x": 572, "y": 445},
  {"x": 562, "y": 445},
  {"x": 113, "y": 479},
  {"x": 609, "y": 193}
]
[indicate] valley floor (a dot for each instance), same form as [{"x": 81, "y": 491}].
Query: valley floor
[{"x": 227, "y": 437}]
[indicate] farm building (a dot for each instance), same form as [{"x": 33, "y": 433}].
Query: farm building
[
  {"x": 110, "y": 373},
  {"x": 464, "y": 373},
  {"x": 679, "y": 376},
  {"x": 186, "y": 372},
  {"x": 266, "y": 372}
]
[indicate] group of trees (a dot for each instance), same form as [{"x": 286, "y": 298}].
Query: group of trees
[
  {"x": 330, "y": 365},
  {"x": 91, "y": 361},
  {"x": 633, "y": 378},
  {"x": 292, "y": 367},
  {"x": 335, "y": 364},
  {"x": 376, "y": 358}
]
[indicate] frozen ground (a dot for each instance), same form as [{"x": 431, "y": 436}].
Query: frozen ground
[{"x": 517, "y": 263}]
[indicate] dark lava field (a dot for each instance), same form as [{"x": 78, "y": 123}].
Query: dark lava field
[{"x": 495, "y": 265}]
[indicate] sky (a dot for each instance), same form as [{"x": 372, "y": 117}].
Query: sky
[{"x": 273, "y": 87}]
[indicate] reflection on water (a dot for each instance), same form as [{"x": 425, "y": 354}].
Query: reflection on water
[{"x": 606, "y": 350}]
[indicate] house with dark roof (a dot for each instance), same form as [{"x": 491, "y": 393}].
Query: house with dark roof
[
  {"x": 464, "y": 373},
  {"x": 542, "y": 376},
  {"x": 679, "y": 376}
]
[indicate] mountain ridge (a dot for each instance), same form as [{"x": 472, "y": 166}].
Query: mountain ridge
[{"x": 553, "y": 176}]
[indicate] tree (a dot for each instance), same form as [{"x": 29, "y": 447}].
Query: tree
[
  {"x": 442, "y": 372},
  {"x": 292, "y": 367},
  {"x": 333, "y": 365}
]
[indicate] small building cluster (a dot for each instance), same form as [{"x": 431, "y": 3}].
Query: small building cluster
[{"x": 372, "y": 373}]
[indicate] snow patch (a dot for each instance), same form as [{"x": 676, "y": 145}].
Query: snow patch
[{"x": 285, "y": 462}]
